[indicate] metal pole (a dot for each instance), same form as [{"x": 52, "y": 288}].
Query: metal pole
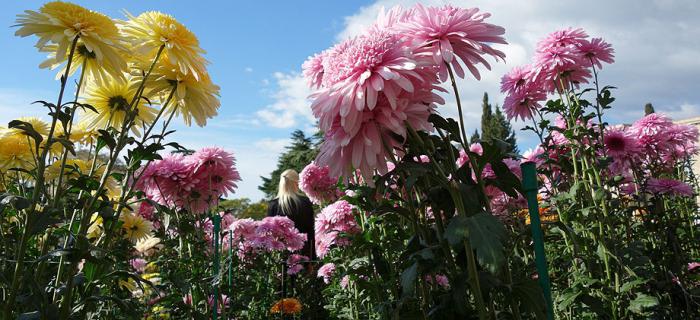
[
  {"x": 530, "y": 187},
  {"x": 217, "y": 227}
]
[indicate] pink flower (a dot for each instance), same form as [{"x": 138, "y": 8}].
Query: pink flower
[
  {"x": 138, "y": 264},
  {"x": 422, "y": 159},
  {"x": 559, "y": 62},
  {"x": 187, "y": 299},
  {"x": 345, "y": 281},
  {"x": 669, "y": 187},
  {"x": 652, "y": 129},
  {"x": 357, "y": 141},
  {"x": 332, "y": 220},
  {"x": 692, "y": 266},
  {"x": 294, "y": 263},
  {"x": 438, "y": 279},
  {"x": 620, "y": 143},
  {"x": 534, "y": 155},
  {"x": 276, "y": 234},
  {"x": 597, "y": 51},
  {"x": 316, "y": 182},
  {"x": 562, "y": 38},
  {"x": 520, "y": 78},
  {"x": 326, "y": 272},
  {"x": 447, "y": 33},
  {"x": 522, "y": 103}
]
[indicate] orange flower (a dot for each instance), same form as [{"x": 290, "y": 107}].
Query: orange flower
[{"x": 286, "y": 306}]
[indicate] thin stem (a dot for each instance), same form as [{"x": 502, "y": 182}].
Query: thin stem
[
  {"x": 459, "y": 106},
  {"x": 38, "y": 190}
]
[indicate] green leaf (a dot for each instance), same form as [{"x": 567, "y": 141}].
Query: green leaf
[
  {"x": 641, "y": 302},
  {"x": 486, "y": 235}
]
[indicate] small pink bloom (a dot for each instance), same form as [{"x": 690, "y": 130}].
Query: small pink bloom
[{"x": 326, "y": 272}]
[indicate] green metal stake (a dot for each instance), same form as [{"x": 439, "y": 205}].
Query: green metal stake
[
  {"x": 530, "y": 188},
  {"x": 217, "y": 227},
  {"x": 230, "y": 265}
]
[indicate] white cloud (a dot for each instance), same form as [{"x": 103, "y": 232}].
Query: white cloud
[
  {"x": 248, "y": 69},
  {"x": 655, "y": 45},
  {"x": 291, "y": 107},
  {"x": 272, "y": 145}
]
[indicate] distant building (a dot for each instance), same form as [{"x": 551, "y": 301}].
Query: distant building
[{"x": 696, "y": 159}]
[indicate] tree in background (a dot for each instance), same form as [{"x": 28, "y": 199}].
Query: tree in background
[
  {"x": 243, "y": 208},
  {"x": 301, "y": 152},
  {"x": 494, "y": 125},
  {"x": 648, "y": 109}
]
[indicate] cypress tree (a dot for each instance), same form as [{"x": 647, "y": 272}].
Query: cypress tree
[
  {"x": 648, "y": 109},
  {"x": 494, "y": 125}
]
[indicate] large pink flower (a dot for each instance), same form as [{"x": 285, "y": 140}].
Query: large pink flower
[
  {"x": 448, "y": 34},
  {"x": 523, "y": 103},
  {"x": 330, "y": 222}
]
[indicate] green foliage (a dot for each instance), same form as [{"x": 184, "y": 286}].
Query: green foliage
[
  {"x": 494, "y": 125},
  {"x": 298, "y": 154},
  {"x": 243, "y": 208}
]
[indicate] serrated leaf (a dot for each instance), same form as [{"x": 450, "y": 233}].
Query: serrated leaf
[{"x": 641, "y": 302}]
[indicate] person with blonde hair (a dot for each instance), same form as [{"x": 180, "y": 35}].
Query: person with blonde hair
[{"x": 291, "y": 203}]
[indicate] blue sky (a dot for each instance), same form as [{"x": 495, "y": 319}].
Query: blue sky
[{"x": 256, "y": 49}]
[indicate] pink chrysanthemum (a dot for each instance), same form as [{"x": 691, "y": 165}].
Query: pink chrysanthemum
[
  {"x": 597, "y": 51},
  {"x": 652, "y": 129},
  {"x": 669, "y": 187},
  {"x": 520, "y": 78},
  {"x": 138, "y": 264},
  {"x": 448, "y": 32},
  {"x": 439, "y": 279},
  {"x": 278, "y": 233},
  {"x": 294, "y": 263},
  {"x": 316, "y": 182},
  {"x": 534, "y": 155},
  {"x": 563, "y": 38},
  {"x": 357, "y": 142},
  {"x": 521, "y": 104},
  {"x": 620, "y": 143},
  {"x": 330, "y": 222},
  {"x": 326, "y": 272}
]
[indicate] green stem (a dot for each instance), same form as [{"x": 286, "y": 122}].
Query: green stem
[{"x": 38, "y": 191}]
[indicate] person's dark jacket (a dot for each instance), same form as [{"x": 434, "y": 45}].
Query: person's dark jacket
[{"x": 302, "y": 214}]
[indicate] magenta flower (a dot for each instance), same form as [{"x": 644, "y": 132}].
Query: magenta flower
[
  {"x": 448, "y": 34},
  {"x": 520, "y": 78},
  {"x": 620, "y": 143},
  {"x": 569, "y": 37},
  {"x": 316, "y": 182},
  {"x": 439, "y": 279},
  {"x": 138, "y": 264},
  {"x": 522, "y": 104},
  {"x": 277, "y": 234},
  {"x": 326, "y": 271},
  {"x": 669, "y": 187},
  {"x": 597, "y": 51},
  {"x": 534, "y": 155}
]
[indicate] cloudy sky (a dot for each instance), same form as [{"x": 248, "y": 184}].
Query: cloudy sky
[{"x": 256, "y": 49}]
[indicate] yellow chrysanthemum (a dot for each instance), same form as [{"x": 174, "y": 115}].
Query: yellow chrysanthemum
[
  {"x": 41, "y": 127},
  {"x": 152, "y": 30},
  {"x": 75, "y": 167},
  {"x": 83, "y": 135},
  {"x": 60, "y": 22},
  {"x": 135, "y": 227},
  {"x": 99, "y": 70},
  {"x": 112, "y": 100},
  {"x": 15, "y": 150},
  {"x": 95, "y": 229},
  {"x": 194, "y": 98},
  {"x": 286, "y": 306}
]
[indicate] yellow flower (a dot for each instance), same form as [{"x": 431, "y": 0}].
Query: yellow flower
[
  {"x": 75, "y": 167},
  {"x": 83, "y": 135},
  {"x": 15, "y": 150},
  {"x": 95, "y": 229},
  {"x": 135, "y": 227},
  {"x": 112, "y": 100},
  {"x": 286, "y": 306},
  {"x": 194, "y": 98},
  {"x": 152, "y": 30},
  {"x": 60, "y": 22},
  {"x": 99, "y": 70}
]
